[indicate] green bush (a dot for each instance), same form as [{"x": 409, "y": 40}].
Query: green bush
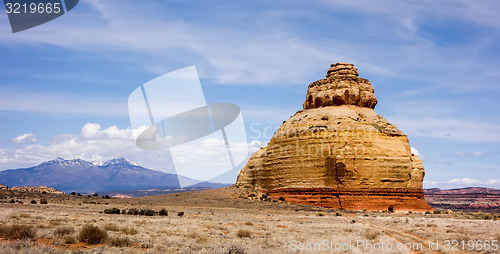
[
  {"x": 390, "y": 209},
  {"x": 133, "y": 211},
  {"x": 92, "y": 235},
  {"x": 147, "y": 212},
  {"x": 112, "y": 211},
  {"x": 337, "y": 213},
  {"x": 163, "y": 212}
]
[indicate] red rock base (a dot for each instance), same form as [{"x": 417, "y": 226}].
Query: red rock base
[{"x": 356, "y": 199}]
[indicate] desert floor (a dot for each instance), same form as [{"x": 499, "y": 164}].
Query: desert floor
[{"x": 227, "y": 221}]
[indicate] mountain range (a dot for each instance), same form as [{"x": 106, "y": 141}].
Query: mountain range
[{"x": 82, "y": 176}]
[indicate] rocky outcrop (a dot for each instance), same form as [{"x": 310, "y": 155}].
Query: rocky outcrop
[
  {"x": 338, "y": 152},
  {"x": 41, "y": 189},
  {"x": 342, "y": 86}
]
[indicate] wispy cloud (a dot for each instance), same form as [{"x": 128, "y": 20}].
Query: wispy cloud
[
  {"x": 463, "y": 182},
  {"x": 53, "y": 102}
]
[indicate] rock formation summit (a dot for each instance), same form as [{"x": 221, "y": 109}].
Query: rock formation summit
[{"x": 338, "y": 152}]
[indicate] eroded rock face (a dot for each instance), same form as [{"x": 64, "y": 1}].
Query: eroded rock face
[
  {"x": 338, "y": 152},
  {"x": 342, "y": 86}
]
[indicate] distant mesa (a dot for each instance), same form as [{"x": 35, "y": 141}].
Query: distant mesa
[
  {"x": 40, "y": 189},
  {"x": 338, "y": 152}
]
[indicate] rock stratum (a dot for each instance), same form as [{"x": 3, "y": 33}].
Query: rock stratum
[{"x": 338, "y": 152}]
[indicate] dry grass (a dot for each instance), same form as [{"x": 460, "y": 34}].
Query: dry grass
[
  {"x": 17, "y": 231},
  {"x": 216, "y": 224},
  {"x": 92, "y": 235}
]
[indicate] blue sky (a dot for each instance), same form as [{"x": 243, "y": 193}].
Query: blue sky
[{"x": 434, "y": 66}]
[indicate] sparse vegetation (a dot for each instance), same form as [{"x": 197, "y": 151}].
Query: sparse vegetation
[
  {"x": 180, "y": 214},
  {"x": 243, "y": 233},
  {"x": 235, "y": 226},
  {"x": 43, "y": 201},
  {"x": 111, "y": 227},
  {"x": 112, "y": 211},
  {"x": 119, "y": 241},
  {"x": 17, "y": 232},
  {"x": 92, "y": 235},
  {"x": 62, "y": 231},
  {"x": 163, "y": 212},
  {"x": 390, "y": 209}
]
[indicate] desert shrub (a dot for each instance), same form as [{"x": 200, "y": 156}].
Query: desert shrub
[
  {"x": 390, "y": 209},
  {"x": 281, "y": 199},
  {"x": 147, "y": 212},
  {"x": 69, "y": 239},
  {"x": 133, "y": 211},
  {"x": 119, "y": 241},
  {"x": 427, "y": 212},
  {"x": 129, "y": 230},
  {"x": 12, "y": 201},
  {"x": 17, "y": 231},
  {"x": 112, "y": 211},
  {"x": 251, "y": 195},
  {"x": 321, "y": 214},
  {"x": 243, "y": 233},
  {"x": 62, "y": 231},
  {"x": 180, "y": 214},
  {"x": 436, "y": 212},
  {"x": 106, "y": 197},
  {"x": 248, "y": 223},
  {"x": 24, "y": 215},
  {"x": 263, "y": 197},
  {"x": 43, "y": 201},
  {"x": 163, "y": 212},
  {"x": 371, "y": 235},
  {"x": 111, "y": 227},
  {"x": 337, "y": 213},
  {"x": 73, "y": 193},
  {"x": 33, "y": 202},
  {"x": 92, "y": 234},
  {"x": 79, "y": 194}
]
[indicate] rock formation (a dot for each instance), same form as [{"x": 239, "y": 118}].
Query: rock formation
[{"x": 338, "y": 152}]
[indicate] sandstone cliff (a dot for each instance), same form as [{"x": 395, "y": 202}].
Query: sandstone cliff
[{"x": 338, "y": 152}]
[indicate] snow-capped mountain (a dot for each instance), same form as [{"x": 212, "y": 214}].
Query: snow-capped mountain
[{"x": 83, "y": 176}]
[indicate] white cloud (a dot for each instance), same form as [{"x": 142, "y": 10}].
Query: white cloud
[
  {"x": 417, "y": 153},
  {"x": 92, "y": 144},
  {"x": 462, "y": 183},
  {"x": 96, "y": 144},
  {"x": 473, "y": 154},
  {"x": 25, "y": 138}
]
